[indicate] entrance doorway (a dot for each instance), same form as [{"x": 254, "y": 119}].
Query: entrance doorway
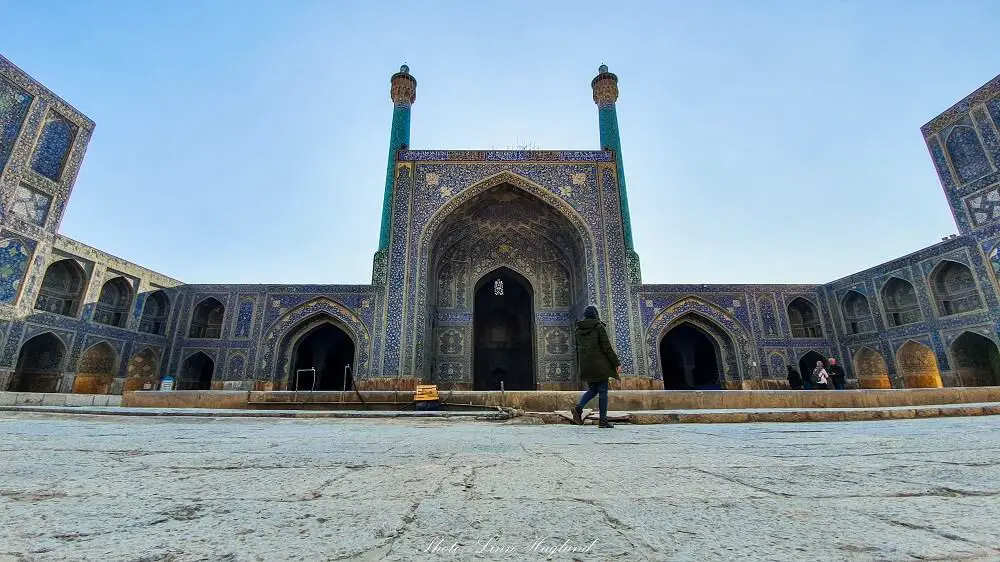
[
  {"x": 690, "y": 360},
  {"x": 503, "y": 332},
  {"x": 806, "y": 366},
  {"x": 196, "y": 373},
  {"x": 327, "y": 349},
  {"x": 39, "y": 365}
]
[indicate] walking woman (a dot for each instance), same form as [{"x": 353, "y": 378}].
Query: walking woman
[
  {"x": 598, "y": 362},
  {"x": 820, "y": 377}
]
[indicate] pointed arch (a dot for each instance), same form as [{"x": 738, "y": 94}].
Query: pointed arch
[
  {"x": 967, "y": 154},
  {"x": 114, "y": 303},
  {"x": 96, "y": 369},
  {"x": 143, "y": 369},
  {"x": 918, "y": 365},
  {"x": 954, "y": 288},
  {"x": 63, "y": 287},
  {"x": 207, "y": 318},
  {"x": 277, "y": 352},
  {"x": 807, "y": 363},
  {"x": 976, "y": 359},
  {"x": 857, "y": 313},
  {"x": 155, "y": 311},
  {"x": 40, "y": 364},
  {"x": 899, "y": 299},
  {"x": 804, "y": 319},
  {"x": 197, "y": 372},
  {"x": 727, "y": 331},
  {"x": 695, "y": 353},
  {"x": 871, "y": 369},
  {"x": 322, "y": 342}
]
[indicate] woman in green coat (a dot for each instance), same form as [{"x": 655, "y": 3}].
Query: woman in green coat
[{"x": 598, "y": 362}]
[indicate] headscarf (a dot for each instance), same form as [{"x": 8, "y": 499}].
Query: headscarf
[{"x": 590, "y": 312}]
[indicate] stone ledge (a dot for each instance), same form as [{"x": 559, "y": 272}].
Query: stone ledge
[{"x": 651, "y": 417}]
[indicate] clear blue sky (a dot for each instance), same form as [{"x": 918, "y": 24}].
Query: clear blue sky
[{"x": 245, "y": 141}]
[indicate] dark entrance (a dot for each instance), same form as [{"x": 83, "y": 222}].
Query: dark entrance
[
  {"x": 196, "y": 373},
  {"x": 690, "y": 360},
  {"x": 503, "y": 333},
  {"x": 39, "y": 365},
  {"x": 976, "y": 360},
  {"x": 806, "y": 366},
  {"x": 327, "y": 349}
]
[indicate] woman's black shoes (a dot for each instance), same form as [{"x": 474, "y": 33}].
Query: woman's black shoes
[{"x": 577, "y": 415}]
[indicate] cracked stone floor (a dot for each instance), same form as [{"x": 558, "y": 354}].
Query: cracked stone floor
[{"x": 135, "y": 488}]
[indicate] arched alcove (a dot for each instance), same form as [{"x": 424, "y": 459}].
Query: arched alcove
[
  {"x": 96, "y": 370},
  {"x": 976, "y": 360},
  {"x": 900, "y": 302},
  {"x": 803, "y": 317},
  {"x": 857, "y": 313},
  {"x": 954, "y": 288},
  {"x": 114, "y": 303},
  {"x": 196, "y": 373},
  {"x": 155, "y": 311},
  {"x": 918, "y": 366},
  {"x": 206, "y": 322},
  {"x": 62, "y": 288},
  {"x": 39, "y": 365},
  {"x": 871, "y": 370}
]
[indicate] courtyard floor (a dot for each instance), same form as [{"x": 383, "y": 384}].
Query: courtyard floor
[{"x": 131, "y": 488}]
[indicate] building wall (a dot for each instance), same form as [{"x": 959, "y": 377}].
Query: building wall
[{"x": 43, "y": 141}]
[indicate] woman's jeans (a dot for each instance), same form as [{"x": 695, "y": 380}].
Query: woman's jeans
[{"x": 596, "y": 389}]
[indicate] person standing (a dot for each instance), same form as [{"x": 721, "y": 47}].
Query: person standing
[
  {"x": 820, "y": 378},
  {"x": 598, "y": 362},
  {"x": 794, "y": 379},
  {"x": 837, "y": 375}
]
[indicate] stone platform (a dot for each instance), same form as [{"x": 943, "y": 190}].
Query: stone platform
[{"x": 551, "y": 401}]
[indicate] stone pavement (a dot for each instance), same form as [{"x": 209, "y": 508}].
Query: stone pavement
[{"x": 185, "y": 488}]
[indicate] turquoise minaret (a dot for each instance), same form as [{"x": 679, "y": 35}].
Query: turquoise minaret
[
  {"x": 403, "y": 91},
  {"x": 605, "y": 86}
]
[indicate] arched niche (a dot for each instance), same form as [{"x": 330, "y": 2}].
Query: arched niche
[
  {"x": 954, "y": 288},
  {"x": 63, "y": 287},
  {"x": 803, "y": 318},
  {"x": 206, "y": 322}
]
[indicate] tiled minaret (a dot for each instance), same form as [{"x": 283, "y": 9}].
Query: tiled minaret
[
  {"x": 403, "y": 91},
  {"x": 605, "y": 86}
]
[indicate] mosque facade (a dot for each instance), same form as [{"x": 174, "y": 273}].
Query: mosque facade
[{"x": 485, "y": 261}]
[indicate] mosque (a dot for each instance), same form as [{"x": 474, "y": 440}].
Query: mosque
[{"x": 485, "y": 260}]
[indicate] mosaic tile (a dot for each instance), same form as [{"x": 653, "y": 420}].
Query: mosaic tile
[
  {"x": 54, "y": 144},
  {"x": 14, "y": 104}
]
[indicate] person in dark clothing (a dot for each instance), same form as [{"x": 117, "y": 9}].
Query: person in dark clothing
[
  {"x": 837, "y": 375},
  {"x": 598, "y": 362},
  {"x": 794, "y": 379}
]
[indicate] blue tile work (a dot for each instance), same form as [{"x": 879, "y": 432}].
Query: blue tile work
[
  {"x": 439, "y": 188},
  {"x": 54, "y": 144},
  {"x": 236, "y": 368},
  {"x": 14, "y": 104},
  {"x": 967, "y": 154},
  {"x": 986, "y": 129},
  {"x": 244, "y": 317},
  {"x": 389, "y": 321},
  {"x": 31, "y": 205},
  {"x": 15, "y": 255}
]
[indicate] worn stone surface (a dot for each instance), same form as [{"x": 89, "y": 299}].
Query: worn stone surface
[{"x": 139, "y": 488}]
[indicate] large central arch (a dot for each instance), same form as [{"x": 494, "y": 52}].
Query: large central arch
[{"x": 538, "y": 246}]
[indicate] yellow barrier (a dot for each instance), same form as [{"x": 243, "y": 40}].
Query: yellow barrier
[{"x": 426, "y": 392}]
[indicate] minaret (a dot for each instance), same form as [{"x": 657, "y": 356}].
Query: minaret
[
  {"x": 403, "y": 91},
  {"x": 605, "y": 86}
]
